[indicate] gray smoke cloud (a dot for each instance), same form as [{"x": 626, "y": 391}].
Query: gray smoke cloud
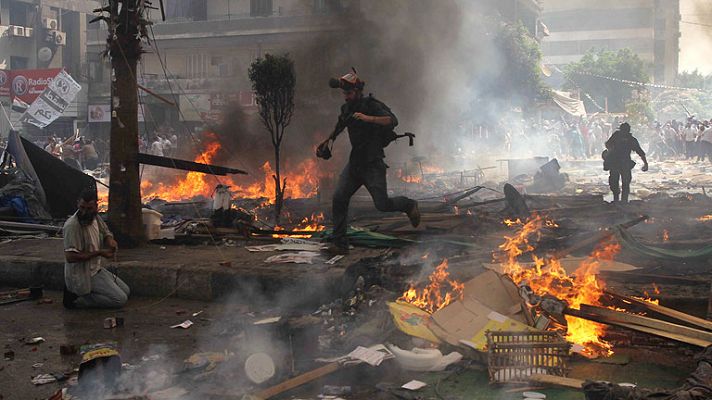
[{"x": 696, "y": 40}]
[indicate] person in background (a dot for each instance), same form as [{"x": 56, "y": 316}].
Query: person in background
[
  {"x": 90, "y": 156},
  {"x": 617, "y": 160}
]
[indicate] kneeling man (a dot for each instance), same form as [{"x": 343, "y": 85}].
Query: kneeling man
[{"x": 86, "y": 240}]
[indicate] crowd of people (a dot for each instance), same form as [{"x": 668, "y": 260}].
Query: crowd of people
[
  {"x": 78, "y": 152},
  {"x": 584, "y": 138},
  {"x": 164, "y": 142}
]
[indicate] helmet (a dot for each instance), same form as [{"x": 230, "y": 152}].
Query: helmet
[{"x": 349, "y": 81}]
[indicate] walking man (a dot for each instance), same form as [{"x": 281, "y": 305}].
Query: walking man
[
  {"x": 86, "y": 240},
  {"x": 369, "y": 121},
  {"x": 617, "y": 160}
]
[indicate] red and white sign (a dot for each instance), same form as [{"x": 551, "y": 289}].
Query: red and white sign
[
  {"x": 4, "y": 83},
  {"x": 28, "y": 84}
]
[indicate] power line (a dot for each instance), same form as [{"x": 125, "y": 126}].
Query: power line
[{"x": 697, "y": 23}]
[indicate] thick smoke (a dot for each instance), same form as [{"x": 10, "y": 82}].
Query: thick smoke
[
  {"x": 695, "y": 41},
  {"x": 427, "y": 60}
]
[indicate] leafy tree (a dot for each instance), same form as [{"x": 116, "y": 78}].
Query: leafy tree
[
  {"x": 512, "y": 78},
  {"x": 273, "y": 80},
  {"x": 623, "y": 64},
  {"x": 694, "y": 79},
  {"x": 520, "y": 75}
]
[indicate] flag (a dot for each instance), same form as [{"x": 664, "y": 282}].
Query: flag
[{"x": 19, "y": 105}]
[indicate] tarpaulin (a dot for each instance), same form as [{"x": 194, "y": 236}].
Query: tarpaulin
[
  {"x": 567, "y": 103},
  {"x": 17, "y": 150},
  {"x": 629, "y": 242},
  {"x": 366, "y": 238},
  {"x": 62, "y": 184}
]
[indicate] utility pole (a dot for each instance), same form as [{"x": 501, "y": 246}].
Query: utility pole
[{"x": 127, "y": 27}]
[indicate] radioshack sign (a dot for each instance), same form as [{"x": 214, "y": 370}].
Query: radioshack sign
[{"x": 28, "y": 84}]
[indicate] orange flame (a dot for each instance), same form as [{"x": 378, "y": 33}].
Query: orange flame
[
  {"x": 307, "y": 224},
  {"x": 666, "y": 235},
  {"x": 648, "y": 297},
  {"x": 705, "y": 218},
  {"x": 436, "y": 295},
  {"x": 302, "y": 181},
  {"x": 549, "y": 277}
]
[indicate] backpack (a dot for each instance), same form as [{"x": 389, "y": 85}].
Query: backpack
[{"x": 389, "y": 136}]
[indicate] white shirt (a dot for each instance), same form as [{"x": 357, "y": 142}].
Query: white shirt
[{"x": 156, "y": 148}]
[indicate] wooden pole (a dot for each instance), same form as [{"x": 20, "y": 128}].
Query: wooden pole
[{"x": 124, "y": 44}]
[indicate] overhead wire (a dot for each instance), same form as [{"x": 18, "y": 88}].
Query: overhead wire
[{"x": 197, "y": 211}]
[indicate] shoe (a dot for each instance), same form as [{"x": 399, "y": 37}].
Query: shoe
[
  {"x": 337, "y": 250},
  {"x": 414, "y": 214},
  {"x": 68, "y": 299}
]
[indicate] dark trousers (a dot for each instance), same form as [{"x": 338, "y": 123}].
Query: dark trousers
[
  {"x": 373, "y": 176},
  {"x": 624, "y": 175}
]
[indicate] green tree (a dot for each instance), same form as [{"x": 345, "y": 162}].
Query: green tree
[
  {"x": 273, "y": 80},
  {"x": 694, "y": 79},
  {"x": 592, "y": 74},
  {"x": 520, "y": 75}
]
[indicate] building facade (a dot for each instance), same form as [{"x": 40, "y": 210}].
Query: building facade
[
  {"x": 45, "y": 35},
  {"x": 203, "y": 50},
  {"x": 651, "y": 28}
]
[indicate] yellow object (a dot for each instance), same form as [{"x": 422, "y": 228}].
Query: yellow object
[{"x": 412, "y": 321}]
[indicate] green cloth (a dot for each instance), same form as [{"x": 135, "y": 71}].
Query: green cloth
[
  {"x": 629, "y": 242},
  {"x": 366, "y": 238}
]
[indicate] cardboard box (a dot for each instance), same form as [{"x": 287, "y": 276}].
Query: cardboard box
[{"x": 490, "y": 302}]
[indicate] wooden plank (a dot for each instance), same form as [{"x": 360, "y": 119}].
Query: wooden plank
[
  {"x": 557, "y": 381},
  {"x": 647, "y": 321},
  {"x": 639, "y": 328},
  {"x": 299, "y": 380},
  {"x": 690, "y": 319},
  {"x": 668, "y": 335}
]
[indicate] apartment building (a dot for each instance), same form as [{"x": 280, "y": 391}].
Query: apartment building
[
  {"x": 37, "y": 38},
  {"x": 651, "y": 28}
]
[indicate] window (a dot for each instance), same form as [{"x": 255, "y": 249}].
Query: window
[
  {"x": 18, "y": 13},
  {"x": 186, "y": 10},
  {"x": 260, "y": 8},
  {"x": 328, "y": 7},
  {"x": 19, "y": 62},
  {"x": 196, "y": 66}
]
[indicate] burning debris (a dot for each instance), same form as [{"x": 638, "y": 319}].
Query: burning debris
[{"x": 440, "y": 291}]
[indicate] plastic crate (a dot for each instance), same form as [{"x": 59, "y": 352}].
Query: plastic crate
[{"x": 514, "y": 356}]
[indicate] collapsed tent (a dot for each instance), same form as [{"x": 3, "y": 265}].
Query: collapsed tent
[
  {"x": 629, "y": 242},
  {"x": 60, "y": 183}
]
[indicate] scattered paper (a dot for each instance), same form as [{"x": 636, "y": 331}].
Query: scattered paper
[
  {"x": 37, "y": 365},
  {"x": 183, "y": 325},
  {"x": 195, "y": 314},
  {"x": 36, "y": 340},
  {"x": 303, "y": 257},
  {"x": 414, "y": 385},
  {"x": 42, "y": 379},
  {"x": 333, "y": 260},
  {"x": 286, "y": 247},
  {"x": 369, "y": 356},
  {"x": 265, "y": 321}
]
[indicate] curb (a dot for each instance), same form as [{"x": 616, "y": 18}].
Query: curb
[{"x": 189, "y": 282}]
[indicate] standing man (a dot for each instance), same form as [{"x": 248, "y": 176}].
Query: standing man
[
  {"x": 617, "y": 160},
  {"x": 369, "y": 122},
  {"x": 86, "y": 240}
]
